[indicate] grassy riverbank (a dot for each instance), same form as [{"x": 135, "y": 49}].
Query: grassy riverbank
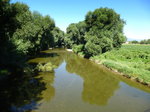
[{"x": 131, "y": 60}]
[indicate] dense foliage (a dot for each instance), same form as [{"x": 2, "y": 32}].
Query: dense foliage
[
  {"x": 24, "y": 33},
  {"x": 58, "y": 36},
  {"x": 133, "y": 60},
  {"x": 101, "y": 31},
  {"x": 75, "y": 34}
]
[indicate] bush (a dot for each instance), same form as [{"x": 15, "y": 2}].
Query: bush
[
  {"x": 48, "y": 67},
  {"x": 78, "y": 48}
]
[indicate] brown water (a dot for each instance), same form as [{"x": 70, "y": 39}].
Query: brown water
[{"x": 79, "y": 85}]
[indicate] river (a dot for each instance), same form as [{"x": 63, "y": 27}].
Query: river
[{"x": 79, "y": 85}]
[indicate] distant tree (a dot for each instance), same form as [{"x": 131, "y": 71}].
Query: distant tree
[
  {"x": 148, "y": 41},
  {"x": 134, "y": 42},
  {"x": 75, "y": 34},
  {"x": 58, "y": 36},
  {"x": 145, "y": 41},
  {"x": 72, "y": 35}
]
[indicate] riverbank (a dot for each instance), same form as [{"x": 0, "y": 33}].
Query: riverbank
[
  {"x": 131, "y": 61},
  {"x": 132, "y": 78}
]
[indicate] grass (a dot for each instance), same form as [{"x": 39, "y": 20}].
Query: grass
[{"x": 133, "y": 60}]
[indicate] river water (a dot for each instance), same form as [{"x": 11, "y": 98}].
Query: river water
[{"x": 79, "y": 85}]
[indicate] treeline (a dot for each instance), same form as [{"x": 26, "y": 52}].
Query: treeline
[
  {"x": 140, "y": 42},
  {"x": 101, "y": 31},
  {"x": 24, "y": 33}
]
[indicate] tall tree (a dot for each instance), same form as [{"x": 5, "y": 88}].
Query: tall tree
[{"x": 104, "y": 31}]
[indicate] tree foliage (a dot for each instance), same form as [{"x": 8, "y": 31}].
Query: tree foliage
[
  {"x": 34, "y": 33},
  {"x": 22, "y": 33},
  {"x": 75, "y": 34},
  {"x": 101, "y": 31},
  {"x": 145, "y": 41},
  {"x": 58, "y": 36}
]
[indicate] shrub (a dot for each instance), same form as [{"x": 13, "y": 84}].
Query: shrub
[{"x": 77, "y": 48}]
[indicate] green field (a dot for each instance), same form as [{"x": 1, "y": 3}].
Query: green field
[{"x": 133, "y": 60}]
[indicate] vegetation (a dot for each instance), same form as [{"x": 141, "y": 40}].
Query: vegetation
[
  {"x": 48, "y": 67},
  {"x": 23, "y": 34},
  {"x": 133, "y": 60},
  {"x": 58, "y": 36},
  {"x": 75, "y": 34},
  {"x": 101, "y": 31},
  {"x": 141, "y": 42},
  {"x": 145, "y": 41},
  {"x": 134, "y": 42}
]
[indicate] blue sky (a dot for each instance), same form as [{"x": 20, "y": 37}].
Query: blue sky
[{"x": 136, "y": 13}]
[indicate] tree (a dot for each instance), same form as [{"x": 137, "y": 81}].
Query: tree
[
  {"x": 34, "y": 32},
  {"x": 47, "y": 40},
  {"x": 145, "y": 41},
  {"x": 7, "y": 28},
  {"x": 71, "y": 37},
  {"x": 134, "y": 42},
  {"x": 75, "y": 34},
  {"x": 81, "y": 26},
  {"x": 104, "y": 31},
  {"x": 58, "y": 36},
  {"x": 101, "y": 31},
  {"x": 22, "y": 33}
]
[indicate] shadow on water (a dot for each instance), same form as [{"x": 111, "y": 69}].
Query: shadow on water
[
  {"x": 20, "y": 92},
  {"x": 48, "y": 56},
  {"x": 44, "y": 55}
]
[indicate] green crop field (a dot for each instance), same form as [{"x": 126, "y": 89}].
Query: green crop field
[{"x": 133, "y": 60}]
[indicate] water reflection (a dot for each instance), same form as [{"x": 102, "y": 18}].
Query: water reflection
[
  {"x": 55, "y": 58},
  {"x": 96, "y": 86},
  {"x": 47, "y": 79},
  {"x": 20, "y": 92},
  {"x": 76, "y": 85}
]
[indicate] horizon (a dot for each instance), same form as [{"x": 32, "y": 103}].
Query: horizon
[{"x": 135, "y": 13}]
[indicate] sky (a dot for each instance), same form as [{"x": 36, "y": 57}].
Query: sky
[{"x": 136, "y": 13}]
